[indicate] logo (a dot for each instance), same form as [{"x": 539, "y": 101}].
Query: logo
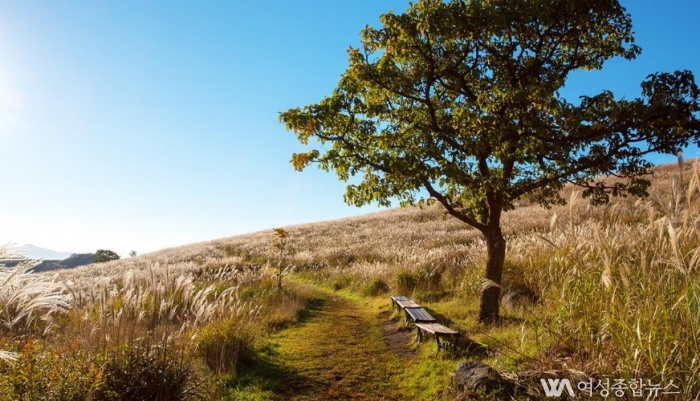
[{"x": 556, "y": 386}]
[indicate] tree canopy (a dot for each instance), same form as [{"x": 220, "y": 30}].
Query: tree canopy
[
  {"x": 105, "y": 255},
  {"x": 461, "y": 100}
]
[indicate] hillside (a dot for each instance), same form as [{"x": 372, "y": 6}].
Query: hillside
[
  {"x": 73, "y": 261},
  {"x": 47, "y": 265},
  {"x": 391, "y": 240},
  {"x": 616, "y": 287}
]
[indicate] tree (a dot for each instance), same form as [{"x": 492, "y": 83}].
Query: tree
[
  {"x": 458, "y": 103},
  {"x": 132, "y": 254},
  {"x": 105, "y": 255},
  {"x": 279, "y": 241}
]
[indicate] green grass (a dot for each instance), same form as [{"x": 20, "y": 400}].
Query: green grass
[{"x": 337, "y": 351}]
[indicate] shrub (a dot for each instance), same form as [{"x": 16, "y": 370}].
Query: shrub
[
  {"x": 405, "y": 282},
  {"x": 375, "y": 287},
  {"x": 142, "y": 371},
  {"x": 41, "y": 373},
  {"x": 224, "y": 345},
  {"x": 281, "y": 308},
  {"x": 343, "y": 281},
  {"x": 429, "y": 278}
]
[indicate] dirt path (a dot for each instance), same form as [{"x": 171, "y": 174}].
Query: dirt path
[{"x": 339, "y": 350}]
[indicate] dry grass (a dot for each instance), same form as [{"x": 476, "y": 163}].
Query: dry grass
[
  {"x": 618, "y": 288},
  {"x": 621, "y": 288},
  {"x": 28, "y": 303},
  {"x": 135, "y": 318}
]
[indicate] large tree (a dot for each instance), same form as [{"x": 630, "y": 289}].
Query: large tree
[{"x": 460, "y": 100}]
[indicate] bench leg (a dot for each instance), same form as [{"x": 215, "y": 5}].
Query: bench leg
[
  {"x": 419, "y": 334},
  {"x": 450, "y": 342},
  {"x": 446, "y": 342}
]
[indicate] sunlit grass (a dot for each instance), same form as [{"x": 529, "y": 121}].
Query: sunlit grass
[{"x": 617, "y": 289}]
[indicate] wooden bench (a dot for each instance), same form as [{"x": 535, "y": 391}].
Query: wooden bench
[
  {"x": 395, "y": 298},
  {"x": 418, "y": 315},
  {"x": 426, "y": 324},
  {"x": 445, "y": 337},
  {"x": 407, "y": 304}
]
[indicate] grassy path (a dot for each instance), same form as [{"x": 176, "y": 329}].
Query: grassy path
[{"x": 337, "y": 351}]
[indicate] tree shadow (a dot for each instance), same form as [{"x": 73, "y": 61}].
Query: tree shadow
[
  {"x": 465, "y": 346},
  {"x": 313, "y": 308},
  {"x": 265, "y": 373}
]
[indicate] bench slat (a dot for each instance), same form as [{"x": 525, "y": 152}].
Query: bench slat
[
  {"x": 419, "y": 315},
  {"x": 407, "y": 304},
  {"x": 445, "y": 337},
  {"x": 398, "y": 298},
  {"x": 434, "y": 328}
]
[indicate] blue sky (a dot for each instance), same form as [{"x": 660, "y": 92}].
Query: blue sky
[{"x": 135, "y": 125}]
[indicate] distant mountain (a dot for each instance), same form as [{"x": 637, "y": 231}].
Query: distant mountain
[
  {"x": 36, "y": 252},
  {"x": 75, "y": 260}
]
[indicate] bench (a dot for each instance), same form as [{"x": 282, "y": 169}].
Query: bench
[
  {"x": 445, "y": 337},
  {"x": 395, "y": 298},
  {"x": 414, "y": 312},
  {"x": 418, "y": 315},
  {"x": 407, "y": 304}
]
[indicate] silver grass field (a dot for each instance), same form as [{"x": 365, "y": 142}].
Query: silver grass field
[{"x": 618, "y": 290}]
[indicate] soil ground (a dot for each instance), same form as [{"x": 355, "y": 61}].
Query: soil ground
[{"x": 396, "y": 338}]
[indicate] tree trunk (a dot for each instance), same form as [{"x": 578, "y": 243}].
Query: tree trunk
[{"x": 490, "y": 297}]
